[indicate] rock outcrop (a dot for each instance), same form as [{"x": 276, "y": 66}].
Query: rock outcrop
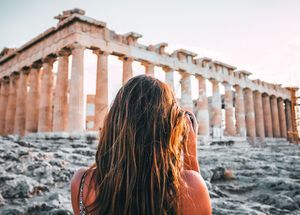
[{"x": 35, "y": 175}]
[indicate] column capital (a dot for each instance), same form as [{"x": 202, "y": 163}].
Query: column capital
[
  {"x": 15, "y": 75},
  {"x": 199, "y": 77},
  {"x": 184, "y": 73},
  {"x": 147, "y": 63},
  {"x": 37, "y": 64},
  {"x": 98, "y": 52},
  {"x": 4, "y": 80},
  {"x": 25, "y": 70},
  {"x": 247, "y": 89},
  {"x": 237, "y": 87},
  {"x": 125, "y": 58},
  {"x": 214, "y": 81},
  {"x": 167, "y": 69},
  {"x": 49, "y": 59},
  {"x": 257, "y": 92},
  {"x": 64, "y": 52},
  {"x": 265, "y": 95},
  {"x": 280, "y": 99},
  {"x": 76, "y": 46}
]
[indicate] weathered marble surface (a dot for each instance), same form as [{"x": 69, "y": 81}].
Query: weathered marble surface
[{"x": 35, "y": 175}]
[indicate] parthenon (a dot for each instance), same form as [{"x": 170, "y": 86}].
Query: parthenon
[{"x": 31, "y": 102}]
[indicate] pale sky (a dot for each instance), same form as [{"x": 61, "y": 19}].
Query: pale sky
[{"x": 260, "y": 36}]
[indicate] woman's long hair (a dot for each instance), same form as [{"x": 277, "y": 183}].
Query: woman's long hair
[{"x": 138, "y": 160}]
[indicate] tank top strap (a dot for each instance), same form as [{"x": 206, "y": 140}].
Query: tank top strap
[{"x": 82, "y": 208}]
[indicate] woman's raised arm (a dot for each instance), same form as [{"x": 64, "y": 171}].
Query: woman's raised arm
[{"x": 190, "y": 153}]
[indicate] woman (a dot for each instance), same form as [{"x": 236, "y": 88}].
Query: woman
[{"x": 146, "y": 160}]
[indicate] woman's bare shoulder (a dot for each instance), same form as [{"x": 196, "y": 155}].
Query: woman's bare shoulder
[
  {"x": 195, "y": 197},
  {"x": 76, "y": 179},
  {"x": 75, "y": 186}
]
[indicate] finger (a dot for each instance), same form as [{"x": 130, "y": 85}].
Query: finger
[
  {"x": 193, "y": 120},
  {"x": 188, "y": 117},
  {"x": 190, "y": 122},
  {"x": 192, "y": 115}
]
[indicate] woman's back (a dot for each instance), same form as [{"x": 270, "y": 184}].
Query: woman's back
[
  {"x": 194, "y": 195},
  {"x": 146, "y": 160}
]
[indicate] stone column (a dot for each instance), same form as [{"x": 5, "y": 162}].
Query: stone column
[
  {"x": 186, "y": 91},
  {"x": 282, "y": 119},
  {"x": 33, "y": 98},
  {"x": 11, "y": 104},
  {"x": 127, "y": 69},
  {"x": 45, "y": 110},
  {"x": 3, "y": 103},
  {"x": 76, "y": 120},
  {"x": 101, "y": 99},
  {"x": 149, "y": 68},
  {"x": 21, "y": 104},
  {"x": 169, "y": 77},
  {"x": 289, "y": 123},
  {"x": 202, "y": 113},
  {"x": 216, "y": 110},
  {"x": 267, "y": 115},
  {"x": 259, "y": 116},
  {"x": 250, "y": 115},
  {"x": 275, "y": 117},
  {"x": 60, "y": 111},
  {"x": 228, "y": 100},
  {"x": 240, "y": 112}
]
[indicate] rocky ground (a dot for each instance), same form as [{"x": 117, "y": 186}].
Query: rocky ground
[
  {"x": 35, "y": 175},
  {"x": 263, "y": 180}
]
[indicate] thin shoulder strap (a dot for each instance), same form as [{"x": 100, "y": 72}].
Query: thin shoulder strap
[{"x": 82, "y": 209}]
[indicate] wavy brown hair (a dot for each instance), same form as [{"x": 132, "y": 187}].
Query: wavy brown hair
[{"x": 138, "y": 161}]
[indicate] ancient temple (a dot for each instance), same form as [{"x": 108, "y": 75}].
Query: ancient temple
[{"x": 31, "y": 102}]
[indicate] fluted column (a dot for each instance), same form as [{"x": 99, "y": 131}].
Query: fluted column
[
  {"x": 33, "y": 98},
  {"x": 149, "y": 68},
  {"x": 101, "y": 99},
  {"x": 169, "y": 77},
  {"x": 250, "y": 115},
  {"x": 240, "y": 112},
  {"x": 76, "y": 119},
  {"x": 186, "y": 91},
  {"x": 267, "y": 115},
  {"x": 275, "y": 117},
  {"x": 45, "y": 110},
  {"x": 3, "y": 103},
  {"x": 11, "y": 104},
  {"x": 228, "y": 100},
  {"x": 289, "y": 123},
  {"x": 216, "y": 109},
  {"x": 259, "y": 116},
  {"x": 282, "y": 119},
  {"x": 202, "y": 113},
  {"x": 21, "y": 104},
  {"x": 127, "y": 69},
  {"x": 60, "y": 103}
]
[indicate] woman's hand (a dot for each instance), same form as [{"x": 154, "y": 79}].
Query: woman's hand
[
  {"x": 191, "y": 117},
  {"x": 190, "y": 153}
]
